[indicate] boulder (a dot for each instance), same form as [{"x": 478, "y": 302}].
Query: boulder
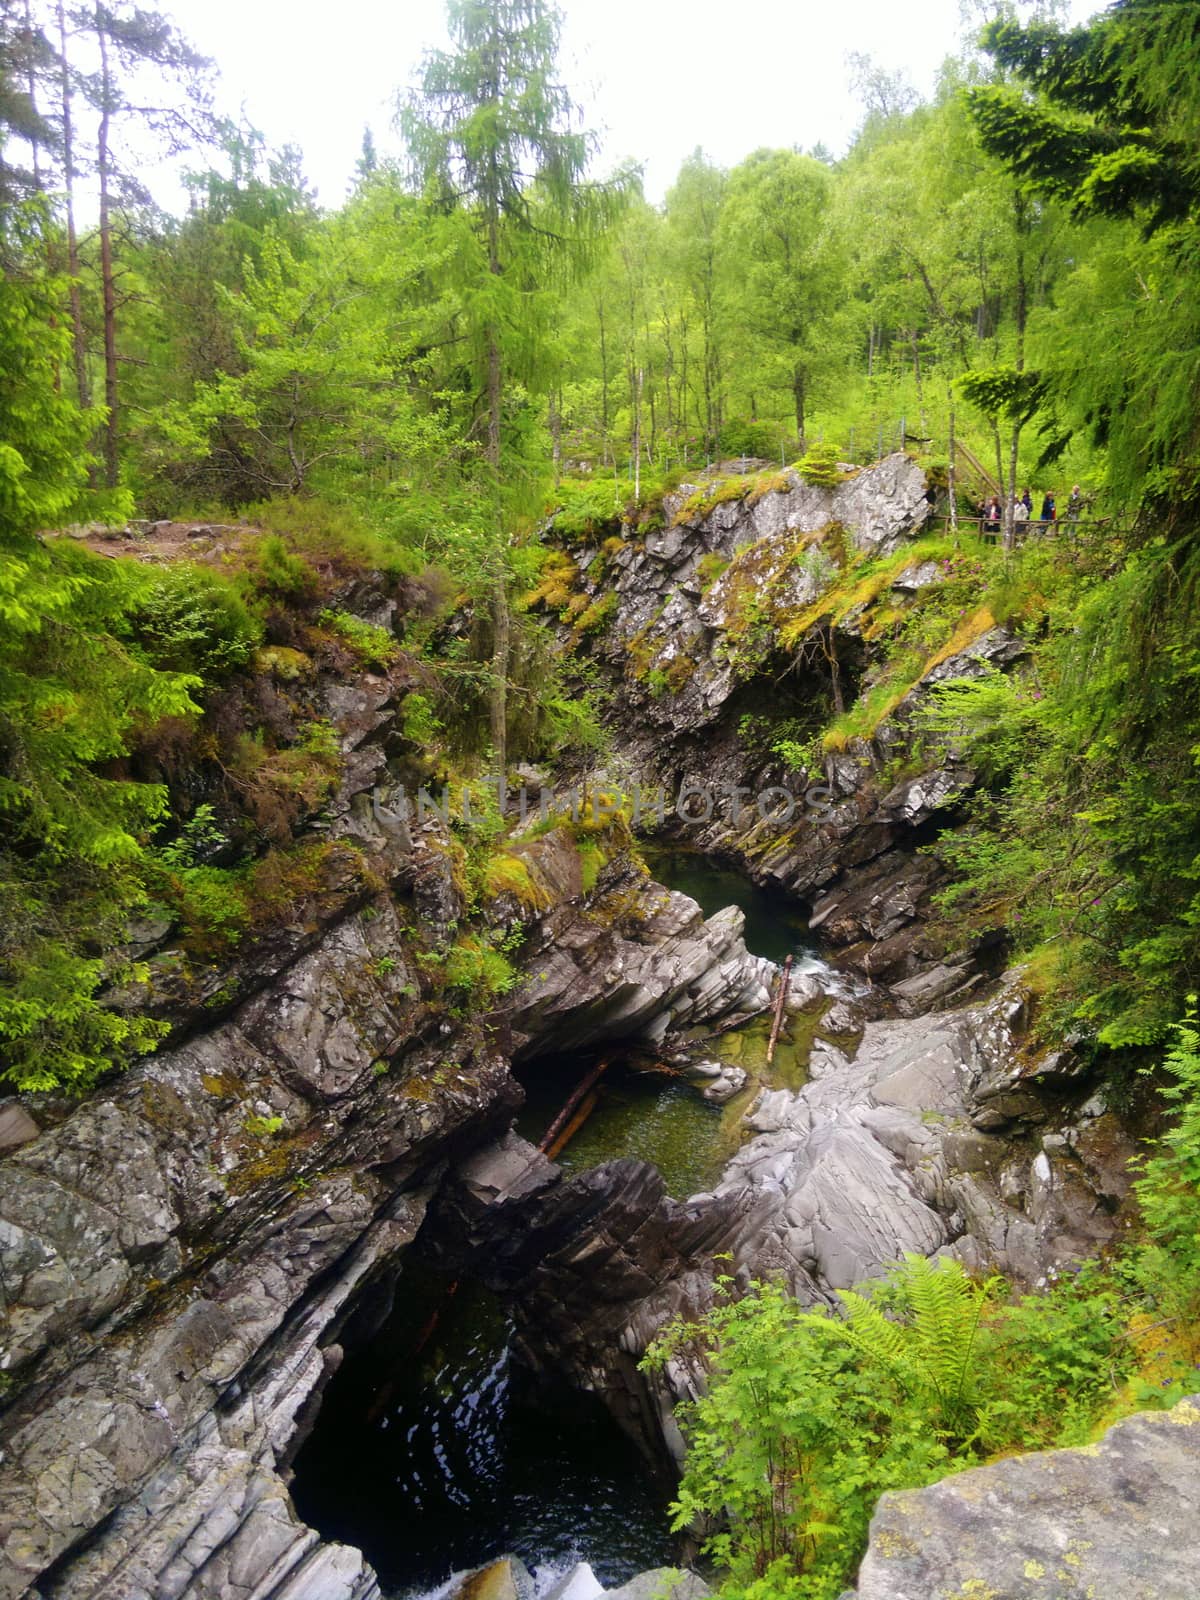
[
  {"x": 663, "y": 1583},
  {"x": 1118, "y": 1519}
]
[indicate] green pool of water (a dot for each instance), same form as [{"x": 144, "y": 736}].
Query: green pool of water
[
  {"x": 641, "y": 1114},
  {"x": 775, "y": 927},
  {"x": 662, "y": 1119}
]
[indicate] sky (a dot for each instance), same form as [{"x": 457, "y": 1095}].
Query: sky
[{"x": 657, "y": 78}]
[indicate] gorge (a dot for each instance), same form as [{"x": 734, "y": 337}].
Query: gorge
[
  {"x": 193, "y": 1252},
  {"x": 600, "y": 821}
]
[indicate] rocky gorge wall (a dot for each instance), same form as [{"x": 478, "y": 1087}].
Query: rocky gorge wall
[
  {"x": 187, "y": 1254},
  {"x": 741, "y": 609},
  {"x": 183, "y": 1252}
]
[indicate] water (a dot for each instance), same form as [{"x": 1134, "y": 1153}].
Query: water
[
  {"x": 774, "y": 926},
  {"x": 663, "y": 1119},
  {"x": 428, "y": 1458},
  {"x": 644, "y": 1114},
  {"x": 427, "y": 1454}
]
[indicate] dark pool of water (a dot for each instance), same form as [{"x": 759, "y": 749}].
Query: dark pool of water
[
  {"x": 775, "y": 926},
  {"x": 430, "y": 1458}
]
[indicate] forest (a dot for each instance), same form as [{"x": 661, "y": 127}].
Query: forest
[{"x": 491, "y": 349}]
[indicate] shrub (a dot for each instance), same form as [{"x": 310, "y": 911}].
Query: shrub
[
  {"x": 819, "y": 466},
  {"x": 374, "y": 646},
  {"x": 189, "y": 619},
  {"x": 476, "y": 966}
]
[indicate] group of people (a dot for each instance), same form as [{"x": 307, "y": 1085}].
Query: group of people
[{"x": 991, "y": 512}]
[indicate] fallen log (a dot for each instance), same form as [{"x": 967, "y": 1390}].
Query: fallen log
[
  {"x": 573, "y": 1100},
  {"x": 779, "y": 1003},
  {"x": 587, "y": 1106}
]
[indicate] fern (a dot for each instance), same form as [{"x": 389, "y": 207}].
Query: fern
[{"x": 928, "y": 1346}]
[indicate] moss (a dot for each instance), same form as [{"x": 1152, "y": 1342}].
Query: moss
[
  {"x": 258, "y": 1170},
  {"x": 164, "y": 1108},
  {"x": 710, "y": 569},
  {"x": 223, "y": 1085},
  {"x": 508, "y": 873},
  {"x": 862, "y": 582},
  {"x": 289, "y": 666},
  {"x": 596, "y": 616},
  {"x": 705, "y": 500},
  {"x": 279, "y": 885},
  {"x": 592, "y": 861},
  {"x": 680, "y": 672},
  {"x": 558, "y": 582},
  {"x": 769, "y": 483},
  {"x": 968, "y": 630},
  {"x": 265, "y": 1166}
]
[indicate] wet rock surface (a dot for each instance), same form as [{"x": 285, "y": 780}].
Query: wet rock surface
[
  {"x": 934, "y": 1134},
  {"x": 1118, "y": 1519},
  {"x": 182, "y": 1251}
]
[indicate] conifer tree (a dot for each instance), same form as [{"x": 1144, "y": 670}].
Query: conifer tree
[{"x": 493, "y": 133}]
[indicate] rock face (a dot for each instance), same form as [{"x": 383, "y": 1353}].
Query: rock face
[
  {"x": 1118, "y": 1519},
  {"x": 934, "y": 1135},
  {"x": 715, "y": 624},
  {"x": 674, "y": 624},
  {"x": 184, "y": 1254},
  {"x": 637, "y": 962}
]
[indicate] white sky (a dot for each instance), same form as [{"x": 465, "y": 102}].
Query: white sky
[{"x": 658, "y": 77}]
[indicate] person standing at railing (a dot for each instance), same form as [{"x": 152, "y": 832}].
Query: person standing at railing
[
  {"x": 1049, "y": 509},
  {"x": 992, "y": 519},
  {"x": 1027, "y": 502},
  {"x": 1074, "y": 505},
  {"x": 1020, "y": 516}
]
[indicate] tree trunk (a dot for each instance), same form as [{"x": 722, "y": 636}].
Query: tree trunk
[
  {"x": 798, "y": 397},
  {"x": 603, "y": 386},
  {"x": 916, "y": 350},
  {"x": 556, "y": 434},
  {"x": 78, "y": 337},
  {"x": 637, "y": 436},
  {"x": 111, "y": 464},
  {"x": 1020, "y": 317},
  {"x": 501, "y": 633},
  {"x": 31, "y": 88},
  {"x": 950, "y": 472}
]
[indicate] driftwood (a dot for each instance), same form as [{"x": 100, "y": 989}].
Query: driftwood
[
  {"x": 586, "y": 1107},
  {"x": 573, "y": 1100},
  {"x": 739, "y": 1020},
  {"x": 779, "y": 1003}
]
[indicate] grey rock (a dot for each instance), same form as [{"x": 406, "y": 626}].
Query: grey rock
[
  {"x": 1118, "y": 1519},
  {"x": 17, "y": 1127},
  {"x": 663, "y": 1583},
  {"x": 580, "y": 1583},
  {"x": 637, "y": 962}
]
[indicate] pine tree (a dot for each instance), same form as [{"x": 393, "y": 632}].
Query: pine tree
[{"x": 491, "y": 131}]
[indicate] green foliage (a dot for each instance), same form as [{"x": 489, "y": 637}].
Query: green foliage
[
  {"x": 1052, "y": 1361},
  {"x": 819, "y": 465},
  {"x": 808, "y": 1417},
  {"x": 374, "y": 646},
  {"x": 928, "y": 1342},
  {"x": 418, "y": 723},
  {"x": 259, "y": 1127},
  {"x": 798, "y": 1433},
  {"x": 72, "y": 696},
  {"x": 276, "y": 573},
  {"x": 1169, "y": 1186},
  {"x": 190, "y": 619},
  {"x": 477, "y": 968}
]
